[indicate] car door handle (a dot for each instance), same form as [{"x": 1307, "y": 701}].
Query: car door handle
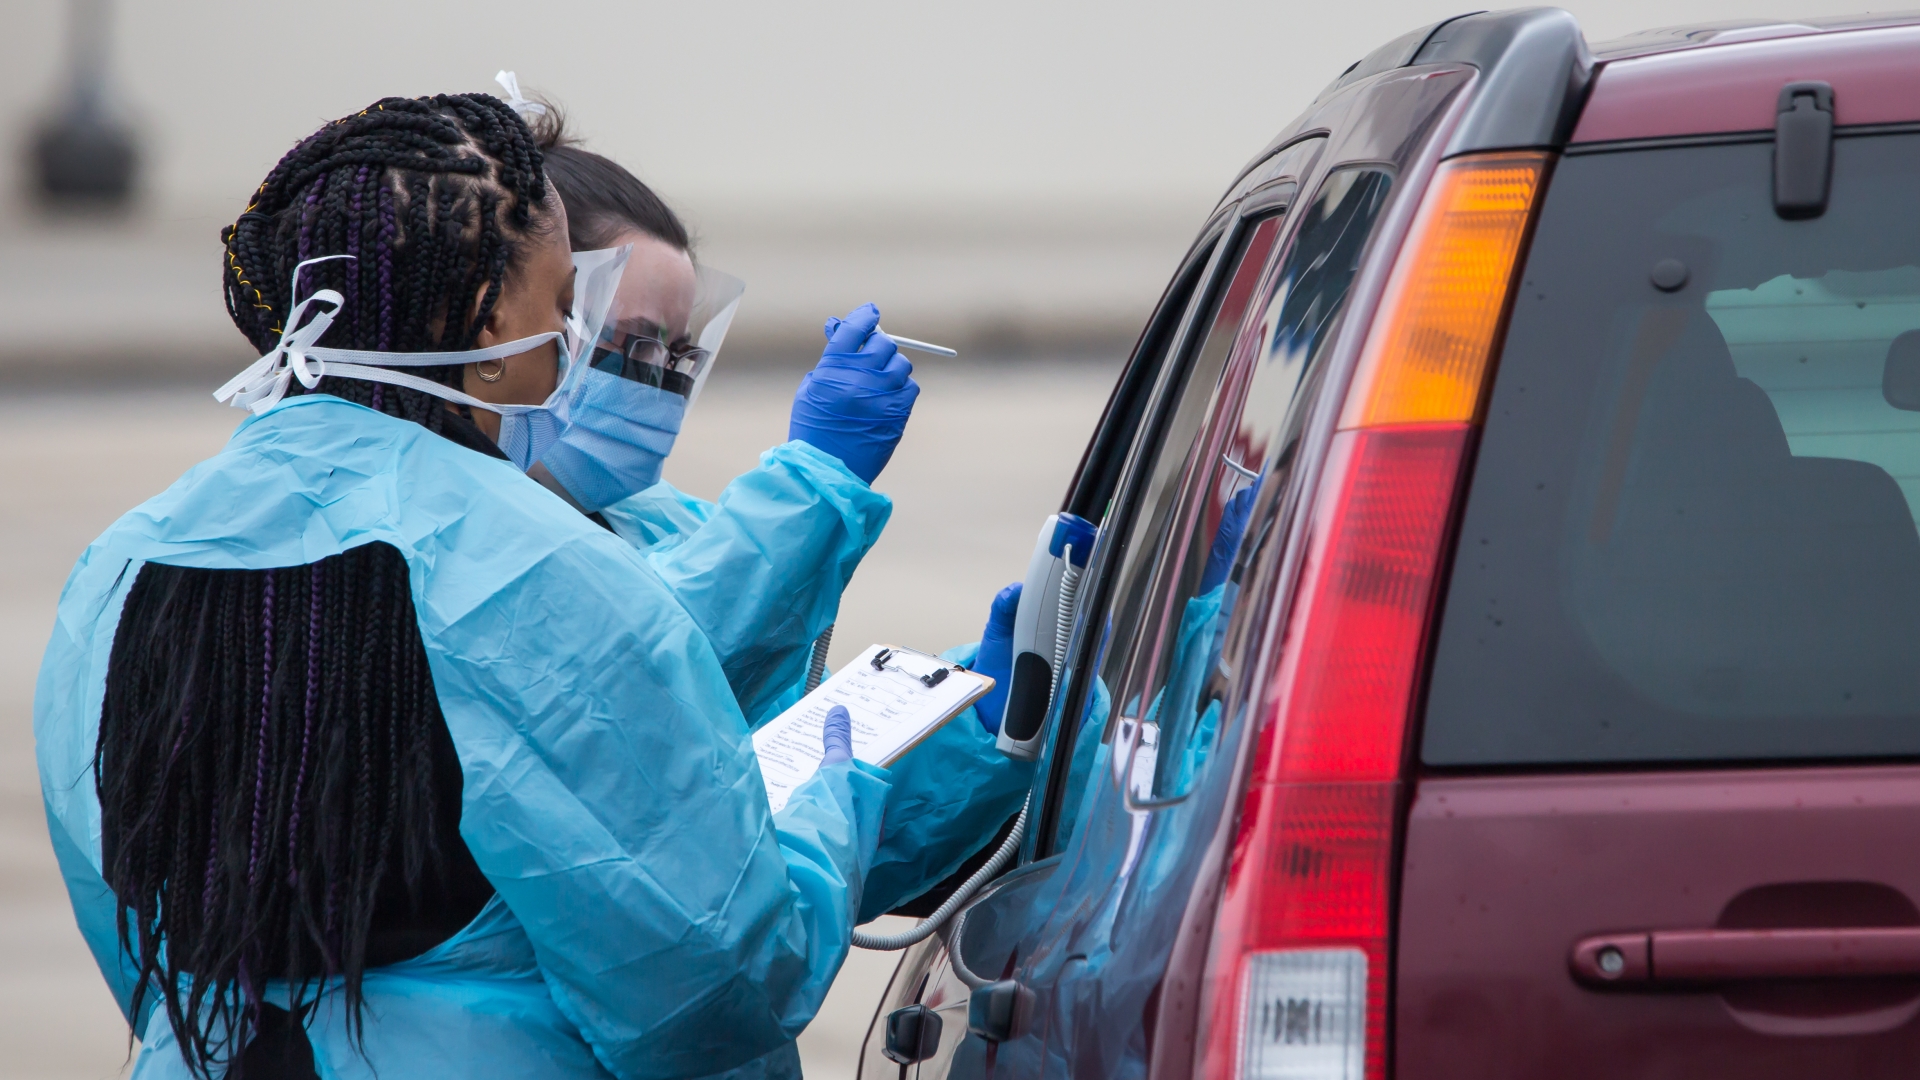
[{"x": 1669, "y": 957}]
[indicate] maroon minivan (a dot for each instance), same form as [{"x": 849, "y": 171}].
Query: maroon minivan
[{"x": 1500, "y": 657}]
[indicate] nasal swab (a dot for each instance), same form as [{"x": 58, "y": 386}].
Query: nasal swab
[{"x": 921, "y": 346}]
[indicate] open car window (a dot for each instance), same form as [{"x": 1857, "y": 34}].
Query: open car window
[
  {"x": 1165, "y": 599},
  {"x": 1135, "y": 534},
  {"x": 1175, "y": 683}
]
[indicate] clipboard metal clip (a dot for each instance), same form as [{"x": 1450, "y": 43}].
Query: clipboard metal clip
[{"x": 890, "y": 657}]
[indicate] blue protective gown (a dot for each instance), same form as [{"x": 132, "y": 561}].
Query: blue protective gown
[
  {"x": 652, "y": 918},
  {"x": 950, "y": 794}
]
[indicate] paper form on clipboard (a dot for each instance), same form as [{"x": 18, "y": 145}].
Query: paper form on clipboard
[{"x": 892, "y": 708}]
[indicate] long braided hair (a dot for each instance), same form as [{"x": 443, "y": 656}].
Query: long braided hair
[{"x": 274, "y": 773}]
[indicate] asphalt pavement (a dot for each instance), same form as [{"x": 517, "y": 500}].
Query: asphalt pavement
[{"x": 988, "y": 454}]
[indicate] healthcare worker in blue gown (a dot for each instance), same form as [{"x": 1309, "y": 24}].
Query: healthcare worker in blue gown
[
  {"x": 361, "y": 757},
  {"x": 951, "y": 794}
]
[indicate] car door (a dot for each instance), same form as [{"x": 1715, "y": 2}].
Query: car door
[
  {"x": 1157, "y": 747},
  {"x": 1181, "y": 683},
  {"x": 1222, "y": 273},
  {"x": 1665, "y": 818},
  {"x": 1162, "y": 502},
  {"x": 925, "y": 975}
]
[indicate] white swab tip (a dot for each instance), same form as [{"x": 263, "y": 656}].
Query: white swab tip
[{"x": 920, "y": 346}]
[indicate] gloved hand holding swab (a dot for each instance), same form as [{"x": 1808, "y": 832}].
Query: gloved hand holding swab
[{"x": 854, "y": 404}]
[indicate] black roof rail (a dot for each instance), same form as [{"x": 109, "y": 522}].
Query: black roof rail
[
  {"x": 1535, "y": 69},
  {"x": 1397, "y": 53}
]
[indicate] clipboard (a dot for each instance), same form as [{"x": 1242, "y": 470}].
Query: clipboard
[{"x": 896, "y": 697}]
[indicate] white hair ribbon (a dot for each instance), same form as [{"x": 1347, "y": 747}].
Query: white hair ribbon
[
  {"x": 511, "y": 84},
  {"x": 261, "y": 386}
]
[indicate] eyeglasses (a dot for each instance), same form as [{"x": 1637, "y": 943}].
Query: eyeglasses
[
  {"x": 642, "y": 356},
  {"x": 682, "y": 357}
]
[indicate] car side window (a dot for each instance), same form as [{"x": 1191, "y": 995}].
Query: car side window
[
  {"x": 1174, "y": 683},
  {"x": 1170, "y": 688},
  {"x": 1159, "y": 466},
  {"x": 1098, "y": 475}
]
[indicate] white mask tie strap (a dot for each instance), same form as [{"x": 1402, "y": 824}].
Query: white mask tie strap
[
  {"x": 511, "y": 84},
  {"x": 261, "y": 386},
  {"x": 264, "y": 382},
  {"x": 442, "y": 390}
]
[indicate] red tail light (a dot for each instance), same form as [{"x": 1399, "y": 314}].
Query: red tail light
[
  {"x": 1297, "y": 975},
  {"x": 1299, "y": 969},
  {"x": 1350, "y": 654}
]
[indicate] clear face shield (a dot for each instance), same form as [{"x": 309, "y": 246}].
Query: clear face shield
[
  {"x": 596, "y": 282},
  {"x": 633, "y": 345}
]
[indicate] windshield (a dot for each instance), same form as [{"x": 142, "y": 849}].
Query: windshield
[{"x": 1690, "y": 532}]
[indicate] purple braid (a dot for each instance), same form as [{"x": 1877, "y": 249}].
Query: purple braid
[
  {"x": 180, "y": 739},
  {"x": 305, "y": 243},
  {"x": 266, "y": 717},
  {"x": 213, "y": 861},
  {"x": 353, "y": 249},
  {"x": 306, "y": 730}
]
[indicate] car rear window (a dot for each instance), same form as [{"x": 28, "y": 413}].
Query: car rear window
[{"x": 1689, "y": 534}]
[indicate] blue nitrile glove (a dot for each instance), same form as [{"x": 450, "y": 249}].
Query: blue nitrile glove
[
  {"x": 995, "y": 659},
  {"x": 855, "y": 403},
  {"x": 617, "y": 434},
  {"x": 836, "y": 734},
  {"x": 1226, "y": 540}
]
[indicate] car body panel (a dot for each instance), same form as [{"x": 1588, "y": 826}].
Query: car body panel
[
  {"x": 1504, "y": 874},
  {"x": 993, "y": 925},
  {"x": 1732, "y": 31},
  {"x": 1736, "y": 87},
  {"x": 1398, "y": 53}
]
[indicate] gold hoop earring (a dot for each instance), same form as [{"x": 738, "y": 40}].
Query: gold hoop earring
[{"x": 499, "y": 369}]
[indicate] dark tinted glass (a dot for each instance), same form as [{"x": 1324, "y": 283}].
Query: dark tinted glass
[
  {"x": 1138, "y": 664},
  {"x": 1141, "y": 531},
  {"x": 1257, "y": 417},
  {"x": 1690, "y": 533}
]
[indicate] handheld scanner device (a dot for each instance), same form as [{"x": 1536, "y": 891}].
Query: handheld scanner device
[{"x": 1041, "y": 629}]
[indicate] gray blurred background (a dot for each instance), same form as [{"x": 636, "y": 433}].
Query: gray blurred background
[{"x": 1015, "y": 179}]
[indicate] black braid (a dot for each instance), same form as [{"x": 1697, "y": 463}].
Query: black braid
[
  {"x": 419, "y": 218},
  {"x": 273, "y": 771},
  {"x": 326, "y": 798}
]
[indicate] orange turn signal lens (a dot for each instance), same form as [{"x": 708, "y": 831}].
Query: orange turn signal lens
[{"x": 1431, "y": 342}]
